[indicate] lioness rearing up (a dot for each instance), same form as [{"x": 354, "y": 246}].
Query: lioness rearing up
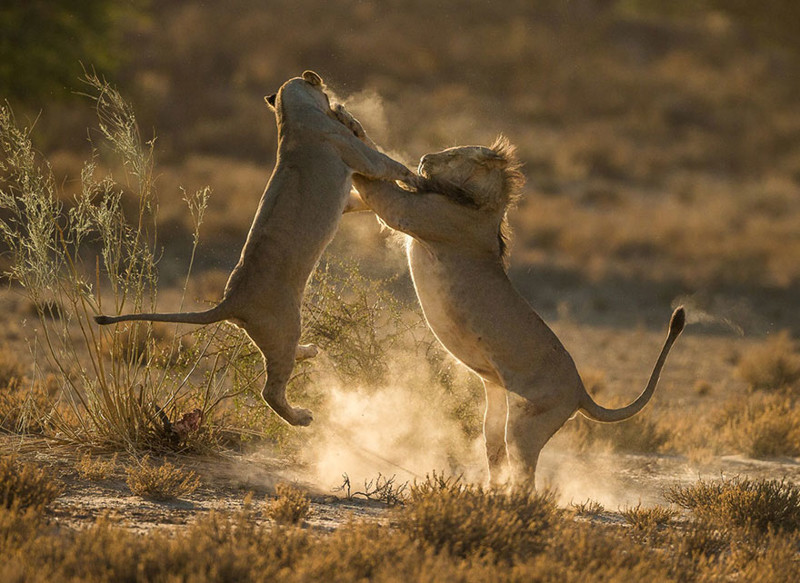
[
  {"x": 296, "y": 219},
  {"x": 456, "y": 220}
]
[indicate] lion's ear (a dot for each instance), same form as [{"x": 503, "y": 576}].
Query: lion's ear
[
  {"x": 270, "y": 99},
  {"x": 492, "y": 159},
  {"x": 313, "y": 78}
]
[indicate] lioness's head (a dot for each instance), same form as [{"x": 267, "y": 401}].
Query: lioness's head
[
  {"x": 307, "y": 90},
  {"x": 483, "y": 178}
]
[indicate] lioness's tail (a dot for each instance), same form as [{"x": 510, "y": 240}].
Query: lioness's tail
[
  {"x": 216, "y": 314},
  {"x": 598, "y": 413}
]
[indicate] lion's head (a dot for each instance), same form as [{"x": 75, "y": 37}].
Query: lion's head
[{"x": 483, "y": 178}]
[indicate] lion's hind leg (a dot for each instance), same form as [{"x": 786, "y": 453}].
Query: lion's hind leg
[
  {"x": 529, "y": 429},
  {"x": 495, "y": 419},
  {"x": 305, "y": 351}
]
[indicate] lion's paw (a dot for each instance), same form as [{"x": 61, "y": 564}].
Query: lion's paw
[{"x": 300, "y": 417}]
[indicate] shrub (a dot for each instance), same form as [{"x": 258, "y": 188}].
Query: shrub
[
  {"x": 639, "y": 434},
  {"x": 761, "y": 425},
  {"x": 588, "y": 507},
  {"x": 160, "y": 481},
  {"x": 290, "y": 507},
  {"x": 66, "y": 257},
  {"x": 753, "y": 504},
  {"x": 25, "y": 486},
  {"x": 647, "y": 518},
  {"x": 465, "y": 520},
  {"x": 95, "y": 469},
  {"x": 773, "y": 366},
  {"x": 11, "y": 368},
  {"x": 25, "y": 408}
]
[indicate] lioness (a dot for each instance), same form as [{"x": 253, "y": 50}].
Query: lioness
[
  {"x": 296, "y": 219},
  {"x": 457, "y": 251}
]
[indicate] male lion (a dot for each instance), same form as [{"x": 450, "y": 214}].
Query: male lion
[
  {"x": 457, "y": 250},
  {"x": 296, "y": 219}
]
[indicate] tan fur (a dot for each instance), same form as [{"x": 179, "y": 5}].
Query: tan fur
[
  {"x": 455, "y": 217},
  {"x": 296, "y": 219}
]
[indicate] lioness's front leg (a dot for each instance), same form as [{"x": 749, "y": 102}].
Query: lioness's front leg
[{"x": 359, "y": 152}]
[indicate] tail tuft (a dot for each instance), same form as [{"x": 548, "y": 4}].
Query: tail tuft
[
  {"x": 678, "y": 321},
  {"x": 103, "y": 320}
]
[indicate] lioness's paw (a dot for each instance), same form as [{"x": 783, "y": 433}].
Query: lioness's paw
[{"x": 346, "y": 119}]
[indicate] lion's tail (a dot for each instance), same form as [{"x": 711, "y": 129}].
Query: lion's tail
[
  {"x": 598, "y": 413},
  {"x": 218, "y": 313}
]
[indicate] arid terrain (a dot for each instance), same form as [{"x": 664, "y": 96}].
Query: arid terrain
[{"x": 661, "y": 151}]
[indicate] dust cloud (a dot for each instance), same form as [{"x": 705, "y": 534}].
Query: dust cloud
[
  {"x": 404, "y": 429},
  {"x": 368, "y": 107}
]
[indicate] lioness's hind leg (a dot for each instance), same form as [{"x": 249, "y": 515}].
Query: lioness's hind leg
[
  {"x": 279, "y": 355},
  {"x": 494, "y": 432},
  {"x": 279, "y": 371}
]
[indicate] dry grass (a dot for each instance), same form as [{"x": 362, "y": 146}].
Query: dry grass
[
  {"x": 647, "y": 518},
  {"x": 95, "y": 469},
  {"x": 23, "y": 485},
  {"x": 640, "y": 434},
  {"x": 760, "y": 425},
  {"x": 761, "y": 505},
  {"x": 291, "y": 506},
  {"x": 26, "y": 407},
  {"x": 226, "y": 547},
  {"x": 588, "y": 507},
  {"x": 773, "y": 366},
  {"x": 465, "y": 520},
  {"x": 162, "y": 481}
]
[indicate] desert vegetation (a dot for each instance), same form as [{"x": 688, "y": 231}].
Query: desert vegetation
[
  {"x": 659, "y": 146},
  {"x": 444, "y": 530}
]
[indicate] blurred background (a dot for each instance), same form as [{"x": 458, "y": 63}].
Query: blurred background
[{"x": 659, "y": 139}]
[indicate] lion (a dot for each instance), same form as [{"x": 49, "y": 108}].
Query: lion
[
  {"x": 456, "y": 219},
  {"x": 296, "y": 219}
]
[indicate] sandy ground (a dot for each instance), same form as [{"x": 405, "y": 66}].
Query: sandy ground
[
  {"x": 621, "y": 355},
  {"x": 616, "y": 481}
]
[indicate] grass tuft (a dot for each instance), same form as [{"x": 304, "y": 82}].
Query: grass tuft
[
  {"x": 160, "y": 481},
  {"x": 290, "y": 507},
  {"x": 773, "y": 366},
  {"x": 23, "y": 485},
  {"x": 95, "y": 469},
  {"x": 760, "y": 505},
  {"x": 465, "y": 520},
  {"x": 647, "y": 518}
]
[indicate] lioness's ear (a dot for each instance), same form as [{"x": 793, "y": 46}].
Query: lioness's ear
[
  {"x": 312, "y": 78},
  {"x": 270, "y": 99}
]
